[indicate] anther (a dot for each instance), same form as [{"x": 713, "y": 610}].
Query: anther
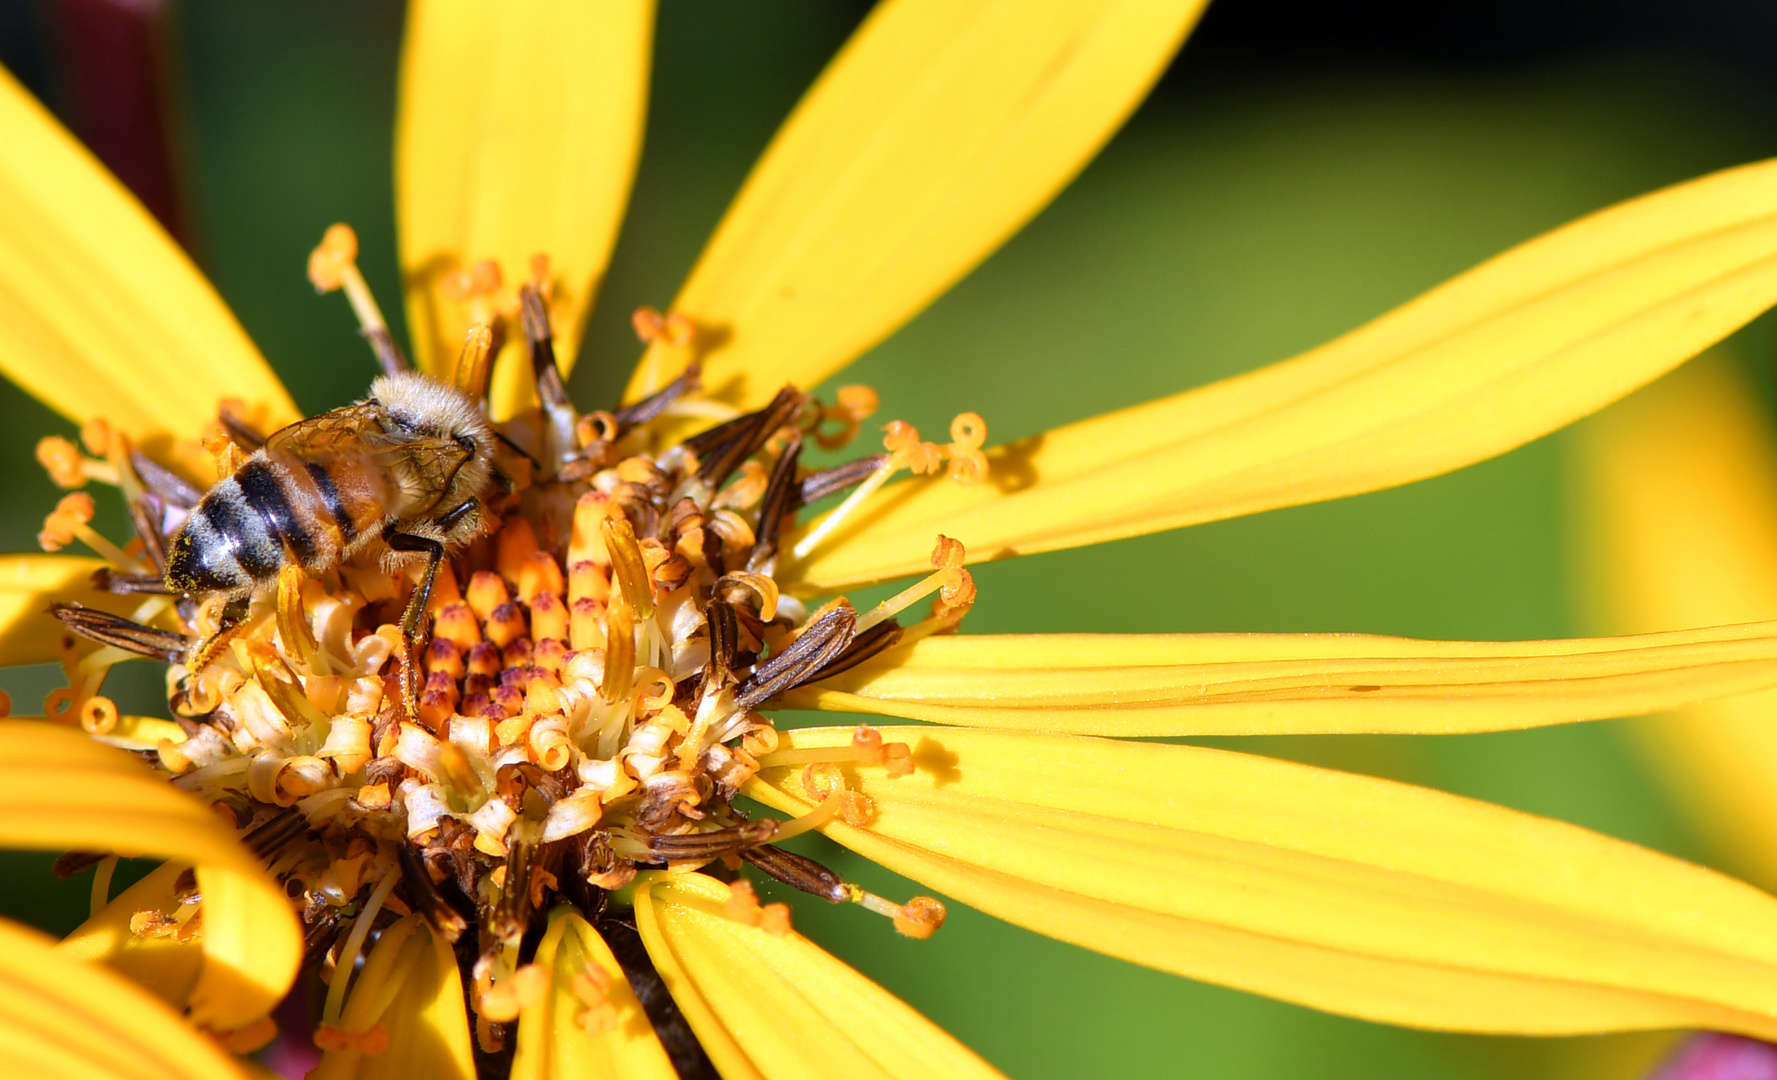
[
  {"x": 444, "y": 657},
  {"x": 549, "y": 617},
  {"x": 743, "y": 907},
  {"x": 334, "y": 265},
  {"x": 588, "y": 581},
  {"x": 586, "y": 628},
  {"x": 539, "y": 573},
  {"x": 485, "y": 659},
  {"x": 675, "y": 329},
  {"x": 855, "y": 404},
  {"x": 485, "y": 593},
  {"x": 628, "y": 566},
  {"x": 473, "y": 364},
  {"x": 505, "y": 624},
  {"x": 457, "y": 623}
]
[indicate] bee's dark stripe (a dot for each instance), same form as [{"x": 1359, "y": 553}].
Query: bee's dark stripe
[
  {"x": 259, "y": 483},
  {"x": 335, "y": 506},
  {"x": 242, "y": 531}
]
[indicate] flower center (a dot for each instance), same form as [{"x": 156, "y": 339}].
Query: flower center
[{"x": 575, "y": 699}]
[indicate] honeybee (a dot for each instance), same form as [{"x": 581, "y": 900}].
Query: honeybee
[{"x": 411, "y": 465}]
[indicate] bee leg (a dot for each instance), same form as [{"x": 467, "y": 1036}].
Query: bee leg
[
  {"x": 234, "y": 613},
  {"x": 415, "y": 613}
]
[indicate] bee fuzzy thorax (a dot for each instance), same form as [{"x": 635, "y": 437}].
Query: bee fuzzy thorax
[{"x": 554, "y": 682}]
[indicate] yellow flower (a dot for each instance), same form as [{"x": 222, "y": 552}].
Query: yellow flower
[{"x": 936, "y": 132}]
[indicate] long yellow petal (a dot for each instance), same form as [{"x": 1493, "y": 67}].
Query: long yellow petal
[
  {"x": 163, "y": 965},
  {"x": 937, "y": 132},
  {"x": 517, "y": 133},
  {"x": 1521, "y": 345},
  {"x": 410, "y": 987},
  {"x": 1268, "y": 684},
  {"x": 1344, "y": 892},
  {"x": 63, "y": 1018},
  {"x": 61, "y": 790},
  {"x": 1682, "y": 486},
  {"x": 560, "y": 1038},
  {"x": 28, "y": 583},
  {"x": 104, "y": 315},
  {"x": 778, "y": 1006}
]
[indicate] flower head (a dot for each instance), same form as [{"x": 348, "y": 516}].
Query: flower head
[{"x": 497, "y": 746}]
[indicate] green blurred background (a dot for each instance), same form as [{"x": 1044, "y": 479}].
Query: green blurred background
[{"x": 1301, "y": 169}]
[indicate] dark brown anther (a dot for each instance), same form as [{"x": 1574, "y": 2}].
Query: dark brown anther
[
  {"x": 724, "y": 642},
  {"x": 630, "y": 416},
  {"x": 69, "y": 863},
  {"x": 389, "y": 356},
  {"x": 241, "y": 433},
  {"x": 875, "y": 640},
  {"x": 147, "y": 515},
  {"x": 832, "y": 481},
  {"x": 157, "y": 480},
  {"x": 319, "y": 935},
  {"x": 125, "y": 634},
  {"x": 503, "y": 924},
  {"x": 423, "y": 895},
  {"x": 798, "y": 872},
  {"x": 712, "y": 845},
  {"x": 535, "y": 316},
  {"x": 561, "y": 443},
  {"x": 269, "y": 837},
  {"x": 774, "y": 507},
  {"x": 514, "y": 779},
  {"x": 702, "y": 443},
  {"x": 820, "y": 642},
  {"x": 108, "y": 580},
  {"x": 722, "y": 461}
]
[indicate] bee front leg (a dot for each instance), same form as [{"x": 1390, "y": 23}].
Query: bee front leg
[{"x": 415, "y": 613}]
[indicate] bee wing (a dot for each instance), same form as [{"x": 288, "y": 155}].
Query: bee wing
[{"x": 356, "y": 440}]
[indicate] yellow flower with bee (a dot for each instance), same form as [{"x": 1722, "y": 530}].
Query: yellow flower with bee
[{"x": 675, "y": 602}]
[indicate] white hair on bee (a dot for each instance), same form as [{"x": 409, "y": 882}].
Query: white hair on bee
[{"x": 425, "y": 402}]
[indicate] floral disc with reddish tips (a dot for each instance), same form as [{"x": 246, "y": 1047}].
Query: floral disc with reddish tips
[{"x": 582, "y": 698}]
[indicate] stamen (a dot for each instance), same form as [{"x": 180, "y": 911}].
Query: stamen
[
  {"x": 955, "y": 584},
  {"x": 627, "y": 565},
  {"x": 905, "y": 451},
  {"x": 473, "y": 364},
  {"x": 68, "y": 521},
  {"x": 348, "y": 956},
  {"x": 855, "y": 404},
  {"x": 743, "y": 907},
  {"x": 102, "y": 883},
  {"x": 919, "y": 918},
  {"x": 334, "y": 265}
]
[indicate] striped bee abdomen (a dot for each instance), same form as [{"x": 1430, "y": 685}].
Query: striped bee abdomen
[{"x": 275, "y": 509}]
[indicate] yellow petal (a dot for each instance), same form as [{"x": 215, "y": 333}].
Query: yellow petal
[
  {"x": 1682, "y": 486},
  {"x": 1268, "y": 684},
  {"x": 936, "y": 133},
  {"x": 61, "y": 790},
  {"x": 63, "y": 1018},
  {"x": 1347, "y": 893},
  {"x": 779, "y": 1006},
  {"x": 1531, "y": 340},
  {"x": 517, "y": 134},
  {"x": 104, "y": 315},
  {"x": 28, "y": 583},
  {"x": 560, "y": 1039},
  {"x": 161, "y": 964},
  {"x": 409, "y": 986}
]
